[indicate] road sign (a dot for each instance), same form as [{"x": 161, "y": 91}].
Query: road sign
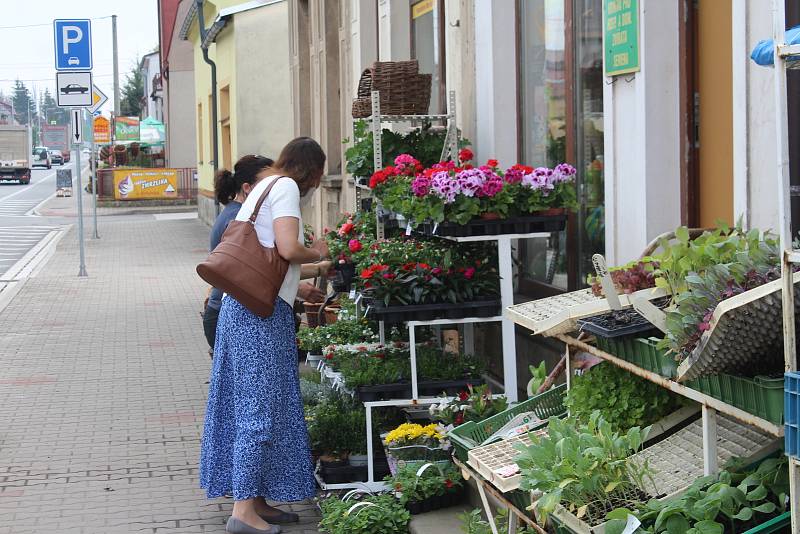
[
  {"x": 76, "y": 134},
  {"x": 73, "y": 44},
  {"x": 98, "y": 99},
  {"x": 74, "y": 89}
]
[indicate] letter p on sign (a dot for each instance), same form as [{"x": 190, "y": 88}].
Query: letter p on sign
[{"x": 73, "y": 44}]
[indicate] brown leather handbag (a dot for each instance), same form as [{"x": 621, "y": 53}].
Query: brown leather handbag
[{"x": 245, "y": 269}]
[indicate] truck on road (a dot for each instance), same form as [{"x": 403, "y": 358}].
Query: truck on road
[
  {"x": 56, "y": 137},
  {"x": 15, "y": 153}
]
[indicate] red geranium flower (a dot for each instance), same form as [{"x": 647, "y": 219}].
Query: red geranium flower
[
  {"x": 346, "y": 228},
  {"x": 389, "y": 276},
  {"x": 354, "y": 245},
  {"x": 423, "y": 266},
  {"x": 465, "y": 154},
  {"x": 329, "y": 356},
  {"x": 492, "y": 163},
  {"x": 469, "y": 273},
  {"x": 367, "y": 273},
  {"x": 463, "y": 396},
  {"x": 459, "y": 418}
]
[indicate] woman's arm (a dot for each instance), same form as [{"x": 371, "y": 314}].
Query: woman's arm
[
  {"x": 286, "y": 231},
  {"x": 314, "y": 270}
]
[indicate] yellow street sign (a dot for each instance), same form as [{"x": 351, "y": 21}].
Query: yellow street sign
[{"x": 98, "y": 99}]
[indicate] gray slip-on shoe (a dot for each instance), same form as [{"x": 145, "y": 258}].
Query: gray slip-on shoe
[
  {"x": 283, "y": 518},
  {"x": 234, "y": 526}
]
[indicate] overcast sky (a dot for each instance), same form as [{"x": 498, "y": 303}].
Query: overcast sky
[{"x": 27, "y": 52}]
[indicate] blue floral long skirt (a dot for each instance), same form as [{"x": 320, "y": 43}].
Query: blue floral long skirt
[{"x": 255, "y": 440}]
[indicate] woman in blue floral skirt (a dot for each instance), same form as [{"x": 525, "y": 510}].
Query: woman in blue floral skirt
[{"x": 255, "y": 442}]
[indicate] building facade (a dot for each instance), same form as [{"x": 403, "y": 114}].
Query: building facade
[{"x": 152, "y": 94}]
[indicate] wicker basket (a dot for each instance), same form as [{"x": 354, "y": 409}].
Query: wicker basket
[{"x": 404, "y": 91}]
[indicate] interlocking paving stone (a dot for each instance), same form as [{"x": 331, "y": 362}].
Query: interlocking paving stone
[{"x": 102, "y": 389}]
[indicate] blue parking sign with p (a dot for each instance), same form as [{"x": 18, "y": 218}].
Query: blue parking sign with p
[{"x": 73, "y": 43}]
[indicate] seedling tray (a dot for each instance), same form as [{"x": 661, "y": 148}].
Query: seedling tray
[
  {"x": 641, "y": 352},
  {"x": 472, "y": 434},
  {"x": 429, "y": 312},
  {"x": 761, "y": 396},
  {"x": 435, "y": 503},
  {"x": 513, "y": 225},
  {"x": 614, "y": 324},
  {"x": 399, "y": 390}
]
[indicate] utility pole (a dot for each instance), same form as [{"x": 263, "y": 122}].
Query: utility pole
[{"x": 116, "y": 63}]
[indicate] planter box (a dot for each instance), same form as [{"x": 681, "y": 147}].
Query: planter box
[
  {"x": 449, "y": 387},
  {"x": 435, "y": 503},
  {"x": 761, "y": 396},
  {"x": 472, "y": 434},
  {"x": 513, "y": 225},
  {"x": 400, "y": 390},
  {"x": 349, "y": 473},
  {"x": 641, "y": 352},
  {"x": 429, "y": 312}
]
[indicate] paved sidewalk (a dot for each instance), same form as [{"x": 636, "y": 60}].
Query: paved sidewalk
[
  {"x": 102, "y": 389},
  {"x": 67, "y": 207}
]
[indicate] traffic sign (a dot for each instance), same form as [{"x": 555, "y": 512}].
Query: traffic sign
[
  {"x": 73, "y": 44},
  {"x": 76, "y": 134},
  {"x": 98, "y": 99},
  {"x": 74, "y": 89}
]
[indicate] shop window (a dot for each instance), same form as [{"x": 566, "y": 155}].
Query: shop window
[
  {"x": 427, "y": 47},
  {"x": 561, "y": 120}
]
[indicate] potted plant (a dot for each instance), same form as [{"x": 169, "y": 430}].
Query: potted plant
[
  {"x": 411, "y": 444},
  {"x": 476, "y": 403},
  {"x": 436, "y": 487},
  {"x": 371, "y": 514}
]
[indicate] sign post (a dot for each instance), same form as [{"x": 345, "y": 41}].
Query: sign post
[
  {"x": 93, "y": 167},
  {"x": 74, "y": 89}
]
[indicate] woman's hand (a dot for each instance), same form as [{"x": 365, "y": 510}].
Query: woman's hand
[
  {"x": 321, "y": 246},
  {"x": 310, "y": 293},
  {"x": 290, "y": 249}
]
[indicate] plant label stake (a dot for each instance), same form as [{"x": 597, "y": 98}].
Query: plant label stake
[
  {"x": 650, "y": 311},
  {"x": 601, "y": 269}
]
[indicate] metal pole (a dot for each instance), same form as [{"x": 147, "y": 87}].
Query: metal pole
[
  {"x": 116, "y": 63},
  {"x": 93, "y": 167},
  {"x": 75, "y": 126}
]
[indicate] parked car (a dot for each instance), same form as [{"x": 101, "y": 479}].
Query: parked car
[
  {"x": 41, "y": 157},
  {"x": 56, "y": 157}
]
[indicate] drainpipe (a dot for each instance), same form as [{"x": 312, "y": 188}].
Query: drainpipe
[{"x": 201, "y": 22}]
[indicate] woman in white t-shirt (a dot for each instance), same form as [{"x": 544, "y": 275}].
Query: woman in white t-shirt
[{"x": 255, "y": 441}]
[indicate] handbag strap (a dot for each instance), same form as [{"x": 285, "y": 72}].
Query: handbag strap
[{"x": 262, "y": 199}]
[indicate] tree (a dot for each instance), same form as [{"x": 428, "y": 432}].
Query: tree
[
  {"x": 23, "y": 103},
  {"x": 132, "y": 92},
  {"x": 50, "y": 110}
]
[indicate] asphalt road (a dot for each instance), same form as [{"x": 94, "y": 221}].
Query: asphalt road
[{"x": 20, "y": 230}]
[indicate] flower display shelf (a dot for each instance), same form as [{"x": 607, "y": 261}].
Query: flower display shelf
[
  {"x": 327, "y": 476},
  {"x": 743, "y": 332},
  {"x": 761, "y": 396},
  {"x": 473, "y": 434},
  {"x": 483, "y": 227},
  {"x": 429, "y": 312},
  {"x": 560, "y": 314}
]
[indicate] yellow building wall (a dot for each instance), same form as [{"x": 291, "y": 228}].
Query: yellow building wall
[{"x": 715, "y": 86}]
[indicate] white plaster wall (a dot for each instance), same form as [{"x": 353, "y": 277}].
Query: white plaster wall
[
  {"x": 761, "y": 164},
  {"x": 181, "y": 122},
  {"x": 394, "y": 30},
  {"x": 460, "y": 62},
  {"x": 642, "y": 139},
  {"x": 495, "y": 90}
]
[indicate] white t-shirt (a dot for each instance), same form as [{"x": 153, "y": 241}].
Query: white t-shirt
[{"x": 282, "y": 201}]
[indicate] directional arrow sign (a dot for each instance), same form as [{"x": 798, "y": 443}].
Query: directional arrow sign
[
  {"x": 98, "y": 99},
  {"x": 77, "y": 127}
]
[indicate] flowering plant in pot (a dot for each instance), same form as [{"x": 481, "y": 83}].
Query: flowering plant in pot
[
  {"x": 474, "y": 404},
  {"x": 436, "y": 487},
  {"x": 411, "y": 441},
  {"x": 349, "y": 243}
]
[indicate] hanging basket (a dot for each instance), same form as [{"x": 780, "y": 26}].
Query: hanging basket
[{"x": 403, "y": 90}]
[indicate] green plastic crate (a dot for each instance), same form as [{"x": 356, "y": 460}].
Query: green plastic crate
[
  {"x": 760, "y": 396},
  {"x": 776, "y": 524},
  {"x": 545, "y": 405},
  {"x": 641, "y": 352}
]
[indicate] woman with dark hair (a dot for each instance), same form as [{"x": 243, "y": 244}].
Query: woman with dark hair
[
  {"x": 255, "y": 441},
  {"x": 230, "y": 190}
]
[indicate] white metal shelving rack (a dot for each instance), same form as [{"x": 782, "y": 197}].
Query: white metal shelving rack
[{"x": 790, "y": 256}]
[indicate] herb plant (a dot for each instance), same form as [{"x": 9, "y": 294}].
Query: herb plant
[
  {"x": 410, "y": 487},
  {"x": 585, "y": 466},
  {"x": 624, "y": 399},
  {"x": 382, "y": 515}
]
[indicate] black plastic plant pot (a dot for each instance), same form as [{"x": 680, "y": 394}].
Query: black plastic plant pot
[
  {"x": 449, "y": 387},
  {"x": 429, "y": 312},
  {"x": 618, "y": 323},
  {"x": 414, "y": 507},
  {"x": 342, "y": 475},
  {"x": 333, "y": 464},
  {"x": 383, "y": 392},
  {"x": 479, "y": 227}
]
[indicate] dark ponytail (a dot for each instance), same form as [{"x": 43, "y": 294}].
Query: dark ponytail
[{"x": 227, "y": 184}]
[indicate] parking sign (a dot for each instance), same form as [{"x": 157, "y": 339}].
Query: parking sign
[{"x": 73, "y": 44}]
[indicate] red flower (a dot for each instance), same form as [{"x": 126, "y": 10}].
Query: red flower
[
  {"x": 361, "y": 348},
  {"x": 465, "y": 154},
  {"x": 389, "y": 276},
  {"x": 380, "y": 355},
  {"x": 469, "y": 273},
  {"x": 463, "y": 396},
  {"x": 492, "y": 163},
  {"x": 367, "y": 273},
  {"x": 423, "y": 266},
  {"x": 408, "y": 266},
  {"x": 329, "y": 356},
  {"x": 354, "y": 245},
  {"x": 346, "y": 228},
  {"x": 459, "y": 418},
  {"x": 436, "y": 271},
  {"x": 448, "y": 483}
]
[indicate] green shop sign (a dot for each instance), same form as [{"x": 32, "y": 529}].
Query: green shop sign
[{"x": 621, "y": 31}]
